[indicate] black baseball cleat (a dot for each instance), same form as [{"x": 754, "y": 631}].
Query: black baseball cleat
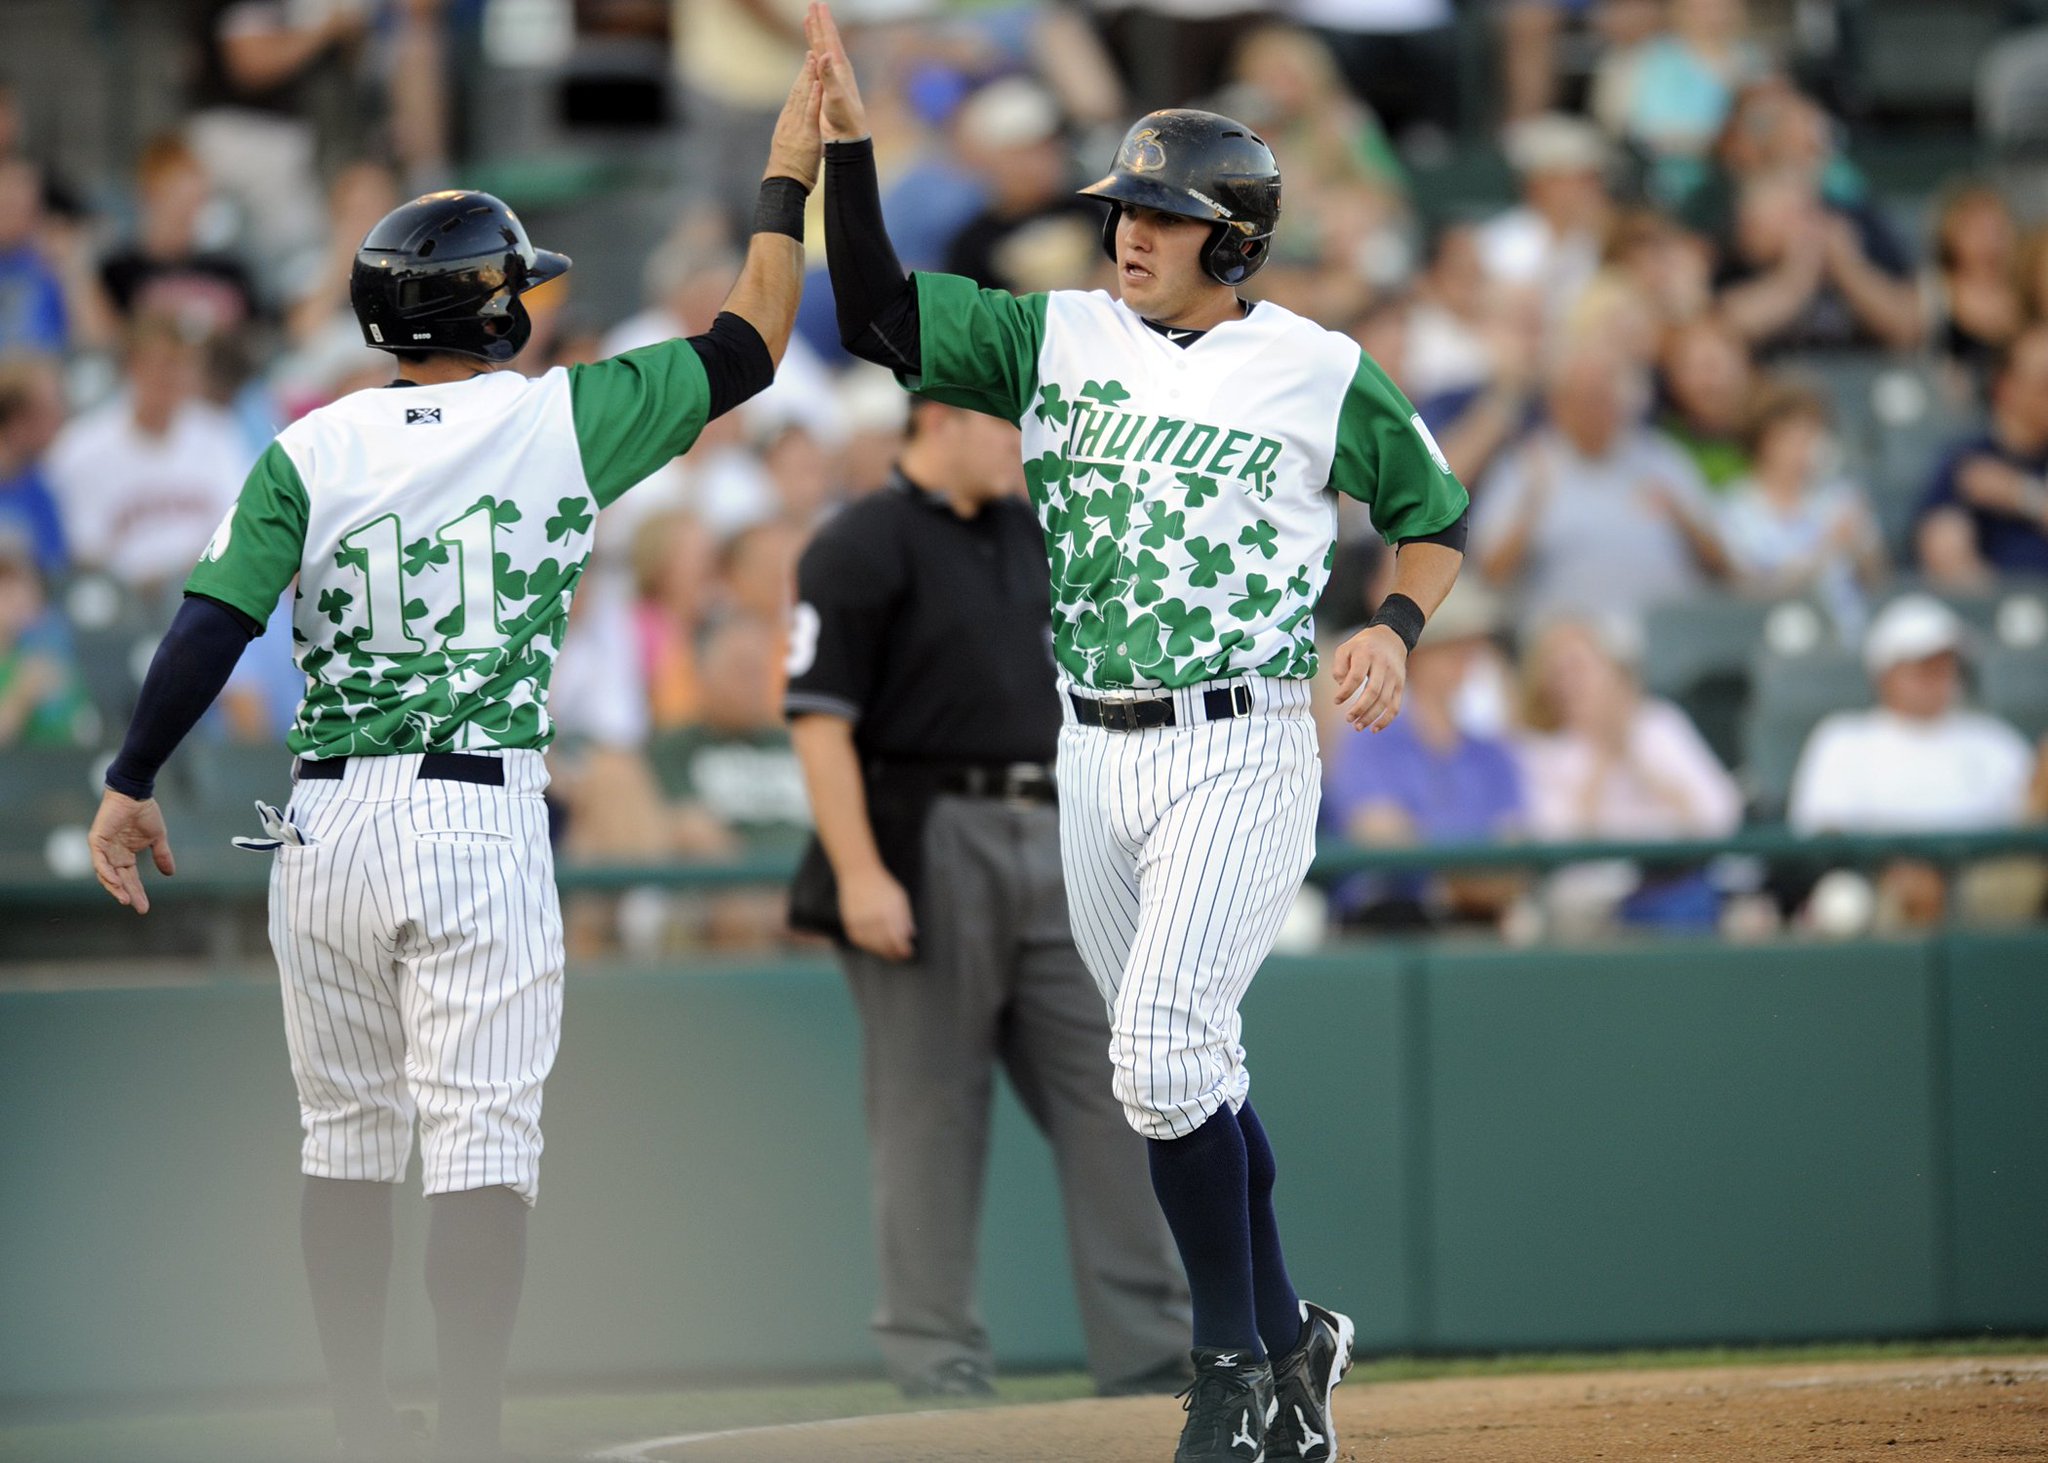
[
  {"x": 963, "y": 1377},
  {"x": 1229, "y": 1406},
  {"x": 1304, "y": 1431}
]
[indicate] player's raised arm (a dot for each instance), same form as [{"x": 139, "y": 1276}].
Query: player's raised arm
[
  {"x": 771, "y": 282},
  {"x": 876, "y": 303}
]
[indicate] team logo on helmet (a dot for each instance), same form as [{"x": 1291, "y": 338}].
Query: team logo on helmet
[{"x": 1142, "y": 152}]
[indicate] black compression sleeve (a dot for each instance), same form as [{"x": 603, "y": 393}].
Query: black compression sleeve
[
  {"x": 1452, "y": 537},
  {"x": 197, "y": 656},
  {"x": 736, "y": 361},
  {"x": 877, "y": 304}
]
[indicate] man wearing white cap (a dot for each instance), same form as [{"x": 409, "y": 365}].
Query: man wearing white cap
[{"x": 1917, "y": 761}]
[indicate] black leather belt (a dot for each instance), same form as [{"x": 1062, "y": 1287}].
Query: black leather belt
[
  {"x": 437, "y": 766},
  {"x": 1225, "y": 703},
  {"x": 1024, "y": 782}
]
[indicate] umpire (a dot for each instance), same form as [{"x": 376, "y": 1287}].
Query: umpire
[{"x": 922, "y": 705}]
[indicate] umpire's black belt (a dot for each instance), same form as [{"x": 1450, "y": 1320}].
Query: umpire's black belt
[
  {"x": 434, "y": 766},
  {"x": 1015, "y": 782},
  {"x": 1129, "y": 714}
]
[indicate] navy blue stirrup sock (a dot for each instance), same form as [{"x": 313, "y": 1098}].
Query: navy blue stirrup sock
[
  {"x": 1200, "y": 1181},
  {"x": 1279, "y": 1307}
]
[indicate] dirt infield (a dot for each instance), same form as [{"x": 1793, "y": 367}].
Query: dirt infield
[{"x": 1922, "y": 1410}]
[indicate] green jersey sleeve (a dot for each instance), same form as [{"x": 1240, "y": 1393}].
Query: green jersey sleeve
[
  {"x": 637, "y": 411},
  {"x": 255, "y": 551},
  {"x": 1387, "y": 459},
  {"x": 978, "y": 348}
]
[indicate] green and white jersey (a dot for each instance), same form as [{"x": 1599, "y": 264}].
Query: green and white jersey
[
  {"x": 437, "y": 534},
  {"x": 1184, "y": 492}
]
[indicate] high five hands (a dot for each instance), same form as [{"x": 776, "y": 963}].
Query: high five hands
[{"x": 841, "y": 117}]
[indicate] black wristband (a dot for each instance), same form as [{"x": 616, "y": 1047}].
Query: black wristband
[
  {"x": 780, "y": 208},
  {"x": 1403, "y": 616}
]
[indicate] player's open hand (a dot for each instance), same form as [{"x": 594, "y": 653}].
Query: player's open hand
[
  {"x": 795, "y": 149},
  {"x": 876, "y": 913},
  {"x": 840, "y": 113},
  {"x": 1372, "y": 672},
  {"x": 121, "y": 829}
]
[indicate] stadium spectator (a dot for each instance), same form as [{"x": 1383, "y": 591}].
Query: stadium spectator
[
  {"x": 1595, "y": 514},
  {"x": 1430, "y": 778},
  {"x": 1794, "y": 526},
  {"x": 735, "y": 58},
  {"x": 1035, "y": 234},
  {"x": 324, "y": 355},
  {"x": 1474, "y": 426},
  {"x": 277, "y": 88},
  {"x": 1347, "y": 188},
  {"x": 167, "y": 269},
  {"x": 1800, "y": 275},
  {"x": 1174, "y": 52},
  {"x": 1986, "y": 511},
  {"x": 1918, "y": 761},
  {"x": 1551, "y": 241},
  {"x": 1669, "y": 266},
  {"x": 1449, "y": 350},
  {"x": 1973, "y": 290},
  {"x": 1682, "y": 84},
  {"x": 1532, "y": 32},
  {"x": 673, "y": 559},
  {"x": 1709, "y": 384},
  {"x": 143, "y": 480},
  {"x": 33, "y": 314},
  {"x": 1604, "y": 761},
  {"x": 42, "y": 703},
  {"x": 1401, "y": 55},
  {"x": 31, "y": 415}
]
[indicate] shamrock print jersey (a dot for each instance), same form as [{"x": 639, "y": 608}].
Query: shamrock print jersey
[
  {"x": 1184, "y": 491},
  {"x": 437, "y": 534}
]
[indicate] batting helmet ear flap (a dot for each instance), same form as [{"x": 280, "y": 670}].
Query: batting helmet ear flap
[{"x": 1232, "y": 256}]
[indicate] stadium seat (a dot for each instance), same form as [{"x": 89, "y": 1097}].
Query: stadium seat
[
  {"x": 2013, "y": 684},
  {"x": 1791, "y": 694},
  {"x": 2012, "y": 93},
  {"x": 44, "y": 790},
  {"x": 1921, "y": 57},
  {"x": 1698, "y": 652}
]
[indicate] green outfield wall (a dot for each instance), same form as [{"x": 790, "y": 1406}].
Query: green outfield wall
[{"x": 1480, "y": 1149}]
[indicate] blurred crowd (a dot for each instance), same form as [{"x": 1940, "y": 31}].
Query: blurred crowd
[{"x": 1695, "y": 358}]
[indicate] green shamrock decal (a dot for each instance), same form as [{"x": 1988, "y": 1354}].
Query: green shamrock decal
[
  {"x": 1108, "y": 393},
  {"x": 572, "y": 515},
  {"x": 1211, "y": 563},
  {"x": 1120, "y": 642},
  {"x": 1162, "y": 524},
  {"x": 1199, "y": 488},
  {"x": 511, "y": 582},
  {"x": 356, "y": 558},
  {"x": 450, "y": 625},
  {"x": 334, "y": 604},
  {"x": 422, "y": 552},
  {"x": 1298, "y": 583},
  {"x": 1052, "y": 406},
  {"x": 1045, "y": 473},
  {"x": 1149, "y": 572},
  {"x": 1256, "y": 600},
  {"x": 1112, "y": 506},
  {"x": 1261, "y": 536},
  {"x": 1186, "y": 626}
]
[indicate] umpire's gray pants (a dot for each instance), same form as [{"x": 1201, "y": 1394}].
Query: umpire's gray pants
[{"x": 997, "y": 979}]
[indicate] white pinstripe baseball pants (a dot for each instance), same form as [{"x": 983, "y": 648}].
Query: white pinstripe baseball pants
[
  {"x": 419, "y": 939},
  {"x": 1184, "y": 848}
]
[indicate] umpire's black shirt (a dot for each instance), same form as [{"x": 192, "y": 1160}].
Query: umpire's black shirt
[{"x": 932, "y": 633}]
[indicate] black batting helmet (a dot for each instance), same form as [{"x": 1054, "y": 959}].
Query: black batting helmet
[
  {"x": 1199, "y": 165},
  {"x": 444, "y": 273}
]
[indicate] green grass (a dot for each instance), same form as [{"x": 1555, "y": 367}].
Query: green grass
[{"x": 573, "y": 1425}]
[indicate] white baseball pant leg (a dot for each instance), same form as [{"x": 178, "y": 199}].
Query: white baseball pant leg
[
  {"x": 1184, "y": 848},
  {"x": 418, "y": 937}
]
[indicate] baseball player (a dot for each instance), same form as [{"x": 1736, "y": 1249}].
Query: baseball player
[
  {"x": 437, "y": 533},
  {"x": 1181, "y": 446}
]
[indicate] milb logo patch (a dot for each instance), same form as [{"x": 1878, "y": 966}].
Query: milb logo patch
[{"x": 419, "y": 415}]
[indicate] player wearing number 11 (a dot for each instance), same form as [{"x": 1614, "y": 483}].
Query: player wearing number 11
[{"x": 437, "y": 528}]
